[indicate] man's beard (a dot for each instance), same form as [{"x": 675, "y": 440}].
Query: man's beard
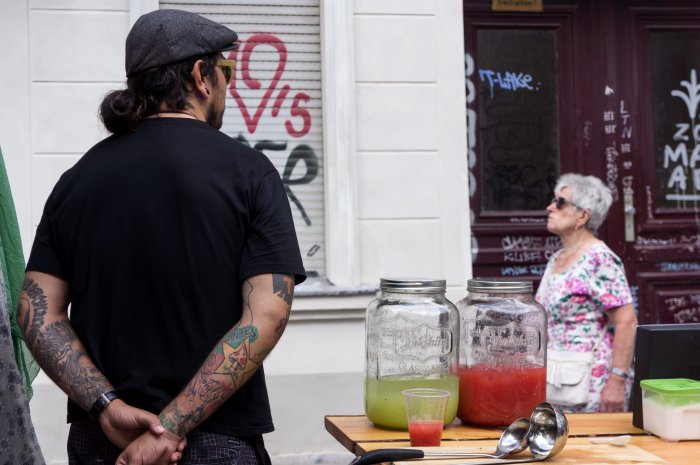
[{"x": 214, "y": 117}]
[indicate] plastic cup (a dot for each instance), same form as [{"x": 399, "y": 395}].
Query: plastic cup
[{"x": 425, "y": 410}]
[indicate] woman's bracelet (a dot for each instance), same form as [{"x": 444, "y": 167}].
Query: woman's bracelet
[{"x": 619, "y": 372}]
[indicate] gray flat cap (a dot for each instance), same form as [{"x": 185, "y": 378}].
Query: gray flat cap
[{"x": 163, "y": 37}]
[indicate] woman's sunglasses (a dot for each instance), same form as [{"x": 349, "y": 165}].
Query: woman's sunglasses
[
  {"x": 228, "y": 67},
  {"x": 561, "y": 202}
]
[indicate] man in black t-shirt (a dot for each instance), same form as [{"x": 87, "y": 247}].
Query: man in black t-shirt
[{"x": 175, "y": 247}]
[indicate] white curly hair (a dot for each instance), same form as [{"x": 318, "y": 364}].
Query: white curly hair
[{"x": 588, "y": 193}]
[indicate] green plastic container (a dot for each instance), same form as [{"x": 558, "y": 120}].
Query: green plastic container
[
  {"x": 673, "y": 391},
  {"x": 671, "y": 408}
]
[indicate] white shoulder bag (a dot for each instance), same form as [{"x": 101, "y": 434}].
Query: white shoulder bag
[{"x": 569, "y": 375}]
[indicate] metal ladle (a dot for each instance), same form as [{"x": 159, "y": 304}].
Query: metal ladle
[
  {"x": 513, "y": 440},
  {"x": 548, "y": 433}
]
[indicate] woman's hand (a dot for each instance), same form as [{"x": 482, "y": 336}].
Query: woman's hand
[{"x": 612, "y": 399}]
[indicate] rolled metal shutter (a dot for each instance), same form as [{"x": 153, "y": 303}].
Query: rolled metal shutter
[{"x": 274, "y": 103}]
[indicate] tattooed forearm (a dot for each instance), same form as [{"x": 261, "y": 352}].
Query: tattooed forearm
[
  {"x": 237, "y": 355},
  {"x": 64, "y": 364},
  {"x": 173, "y": 419},
  {"x": 225, "y": 370},
  {"x": 56, "y": 347}
]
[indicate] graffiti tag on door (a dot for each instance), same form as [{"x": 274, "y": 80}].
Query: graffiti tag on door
[{"x": 681, "y": 160}]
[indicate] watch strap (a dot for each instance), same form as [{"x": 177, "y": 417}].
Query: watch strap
[
  {"x": 101, "y": 403},
  {"x": 619, "y": 372}
]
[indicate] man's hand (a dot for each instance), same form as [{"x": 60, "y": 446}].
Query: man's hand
[
  {"x": 123, "y": 423},
  {"x": 152, "y": 449},
  {"x": 612, "y": 399}
]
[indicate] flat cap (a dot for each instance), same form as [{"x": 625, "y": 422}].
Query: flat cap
[{"x": 163, "y": 37}]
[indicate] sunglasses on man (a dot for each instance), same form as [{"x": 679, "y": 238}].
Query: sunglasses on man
[
  {"x": 561, "y": 202},
  {"x": 228, "y": 67}
]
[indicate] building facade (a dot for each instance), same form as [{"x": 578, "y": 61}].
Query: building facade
[
  {"x": 415, "y": 138},
  {"x": 360, "y": 104}
]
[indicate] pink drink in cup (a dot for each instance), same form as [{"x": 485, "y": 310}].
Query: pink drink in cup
[
  {"x": 425, "y": 433},
  {"x": 425, "y": 410}
]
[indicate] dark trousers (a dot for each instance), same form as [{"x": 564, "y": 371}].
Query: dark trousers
[{"x": 88, "y": 445}]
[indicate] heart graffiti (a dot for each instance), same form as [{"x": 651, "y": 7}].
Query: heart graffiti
[{"x": 251, "y": 121}]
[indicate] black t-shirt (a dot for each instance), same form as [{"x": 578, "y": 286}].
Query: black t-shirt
[{"x": 155, "y": 231}]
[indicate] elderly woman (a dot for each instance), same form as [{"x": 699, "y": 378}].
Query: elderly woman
[{"x": 586, "y": 294}]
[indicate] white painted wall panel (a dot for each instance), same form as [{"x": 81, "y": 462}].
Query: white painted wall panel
[
  {"x": 454, "y": 196},
  {"x": 399, "y": 248},
  {"x": 78, "y": 45},
  {"x": 399, "y": 185},
  {"x": 65, "y": 117},
  {"x": 310, "y": 347},
  {"x": 122, "y": 5},
  {"x": 404, "y": 7},
  {"x": 46, "y": 170},
  {"x": 395, "y": 48},
  {"x": 14, "y": 110},
  {"x": 397, "y": 117}
]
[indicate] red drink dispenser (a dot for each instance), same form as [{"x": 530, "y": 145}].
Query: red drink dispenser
[{"x": 502, "y": 355}]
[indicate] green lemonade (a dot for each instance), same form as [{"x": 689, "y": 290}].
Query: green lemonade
[{"x": 385, "y": 405}]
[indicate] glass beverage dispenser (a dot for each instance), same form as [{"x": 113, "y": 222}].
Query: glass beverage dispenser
[
  {"x": 502, "y": 360},
  {"x": 412, "y": 333}
]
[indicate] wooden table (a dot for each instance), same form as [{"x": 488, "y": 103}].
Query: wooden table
[{"x": 359, "y": 435}]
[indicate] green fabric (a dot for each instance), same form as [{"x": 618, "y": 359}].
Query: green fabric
[{"x": 12, "y": 267}]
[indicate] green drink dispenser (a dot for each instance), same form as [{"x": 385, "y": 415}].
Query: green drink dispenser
[{"x": 412, "y": 332}]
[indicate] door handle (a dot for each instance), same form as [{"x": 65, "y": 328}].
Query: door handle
[{"x": 629, "y": 211}]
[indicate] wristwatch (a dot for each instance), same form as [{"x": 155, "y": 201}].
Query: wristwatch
[
  {"x": 101, "y": 403},
  {"x": 619, "y": 372}
]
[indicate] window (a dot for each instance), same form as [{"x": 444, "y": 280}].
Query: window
[
  {"x": 274, "y": 102},
  {"x": 517, "y": 118}
]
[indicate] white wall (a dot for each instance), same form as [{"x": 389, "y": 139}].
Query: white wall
[
  {"x": 412, "y": 198},
  {"x": 411, "y": 140},
  {"x": 14, "y": 111}
]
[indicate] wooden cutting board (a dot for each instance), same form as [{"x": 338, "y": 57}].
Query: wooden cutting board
[{"x": 572, "y": 454}]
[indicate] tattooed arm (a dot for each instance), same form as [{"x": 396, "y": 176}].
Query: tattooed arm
[
  {"x": 267, "y": 302},
  {"x": 42, "y": 313}
]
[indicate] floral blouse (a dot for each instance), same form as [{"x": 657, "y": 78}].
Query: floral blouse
[{"x": 576, "y": 301}]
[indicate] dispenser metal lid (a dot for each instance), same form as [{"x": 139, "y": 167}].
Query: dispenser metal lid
[
  {"x": 412, "y": 285},
  {"x": 499, "y": 285}
]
